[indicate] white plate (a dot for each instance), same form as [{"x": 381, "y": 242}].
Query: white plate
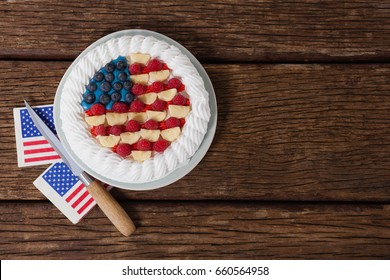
[{"x": 178, "y": 173}]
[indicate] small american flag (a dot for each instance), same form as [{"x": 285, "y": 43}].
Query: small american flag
[
  {"x": 65, "y": 191},
  {"x": 32, "y": 148}
]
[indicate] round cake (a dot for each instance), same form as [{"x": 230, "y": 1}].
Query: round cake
[{"x": 134, "y": 109}]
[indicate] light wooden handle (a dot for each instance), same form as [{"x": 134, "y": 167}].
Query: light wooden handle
[{"x": 111, "y": 208}]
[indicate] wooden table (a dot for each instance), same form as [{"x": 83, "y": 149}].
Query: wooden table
[{"x": 300, "y": 164}]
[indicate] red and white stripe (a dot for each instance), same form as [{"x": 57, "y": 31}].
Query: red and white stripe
[{"x": 38, "y": 150}]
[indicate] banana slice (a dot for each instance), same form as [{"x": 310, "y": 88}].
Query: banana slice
[
  {"x": 156, "y": 115},
  {"x": 130, "y": 137},
  {"x": 150, "y": 135},
  {"x": 109, "y": 141},
  {"x": 159, "y": 76},
  {"x": 139, "y": 58},
  {"x": 178, "y": 111},
  {"x": 148, "y": 98},
  {"x": 139, "y": 117},
  {"x": 171, "y": 134},
  {"x": 141, "y": 155},
  {"x": 167, "y": 95},
  {"x": 140, "y": 79},
  {"x": 95, "y": 120},
  {"x": 116, "y": 118}
]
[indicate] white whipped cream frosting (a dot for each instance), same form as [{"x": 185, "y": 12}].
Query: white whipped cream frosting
[{"x": 103, "y": 160}]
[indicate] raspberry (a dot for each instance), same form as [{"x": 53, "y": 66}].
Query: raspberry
[
  {"x": 160, "y": 145},
  {"x": 154, "y": 65},
  {"x": 116, "y": 130},
  {"x": 120, "y": 107},
  {"x": 137, "y": 106},
  {"x": 135, "y": 69},
  {"x": 132, "y": 126},
  {"x": 159, "y": 105},
  {"x": 174, "y": 83},
  {"x": 172, "y": 122},
  {"x": 98, "y": 109},
  {"x": 179, "y": 100},
  {"x": 156, "y": 87},
  {"x": 123, "y": 149},
  {"x": 151, "y": 124},
  {"x": 138, "y": 89},
  {"x": 99, "y": 130},
  {"x": 144, "y": 145}
]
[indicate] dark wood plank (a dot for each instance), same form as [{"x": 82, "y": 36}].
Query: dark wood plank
[
  {"x": 187, "y": 230},
  {"x": 215, "y": 30},
  {"x": 285, "y": 132}
]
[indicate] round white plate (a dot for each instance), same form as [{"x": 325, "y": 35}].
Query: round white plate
[{"x": 176, "y": 174}]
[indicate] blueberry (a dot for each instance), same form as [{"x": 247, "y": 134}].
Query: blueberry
[
  {"x": 105, "y": 87},
  {"x": 121, "y": 65},
  {"x": 127, "y": 85},
  {"x": 115, "y": 96},
  {"x": 104, "y": 99},
  {"x": 122, "y": 76},
  {"x": 117, "y": 86},
  {"x": 109, "y": 77},
  {"x": 110, "y": 67},
  {"x": 89, "y": 98},
  {"x": 99, "y": 76},
  {"x": 129, "y": 97},
  {"x": 92, "y": 86}
]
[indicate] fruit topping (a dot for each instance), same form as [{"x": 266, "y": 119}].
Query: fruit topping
[
  {"x": 104, "y": 99},
  {"x": 174, "y": 83},
  {"x": 148, "y": 98},
  {"x": 178, "y": 111},
  {"x": 89, "y": 97},
  {"x": 122, "y": 76},
  {"x": 137, "y": 106},
  {"x": 123, "y": 149},
  {"x": 159, "y": 105},
  {"x": 138, "y": 89},
  {"x": 150, "y": 135},
  {"x": 140, "y": 79},
  {"x": 98, "y": 109},
  {"x": 117, "y": 86},
  {"x": 135, "y": 69},
  {"x": 151, "y": 124},
  {"x": 144, "y": 145},
  {"x": 172, "y": 122},
  {"x": 99, "y": 130},
  {"x": 92, "y": 86},
  {"x": 95, "y": 120},
  {"x": 98, "y": 77},
  {"x": 154, "y": 65},
  {"x": 130, "y": 137},
  {"x": 115, "y": 96},
  {"x": 120, "y": 107},
  {"x": 129, "y": 97},
  {"x": 116, "y": 130},
  {"x": 161, "y": 145},
  {"x": 156, "y": 115},
  {"x": 132, "y": 126},
  {"x": 109, "y": 67},
  {"x": 127, "y": 85},
  {"x": 109, "y": 77},
  {"x": 159, "y": 75},
  {"x": 139, "y": 117},
  {"x": 116, "y": 118},
  {"x": 139, "y": 58},
  {"x": 121, "y": 65},
  {"x": 179, "y": 100},
  {"x": 167, "y": 95},
  {"x": 109, "y": 141},
  {"x": 156, "y": 87},
  {"x": 141, "y": 155},
  {"x": 171, "y": 134},
  {"x": 105, "y": 87}
]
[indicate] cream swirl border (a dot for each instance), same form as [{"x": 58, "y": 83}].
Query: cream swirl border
[{"x": 103, "y": 160}]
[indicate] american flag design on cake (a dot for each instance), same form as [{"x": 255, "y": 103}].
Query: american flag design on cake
[{"x": 32, "y": 147}]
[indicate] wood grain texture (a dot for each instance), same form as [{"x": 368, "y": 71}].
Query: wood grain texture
[
  {"x": 188, "y": 230},
  {"x": 215, "y": 30},
  {"x": 285, "y": 132}
]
